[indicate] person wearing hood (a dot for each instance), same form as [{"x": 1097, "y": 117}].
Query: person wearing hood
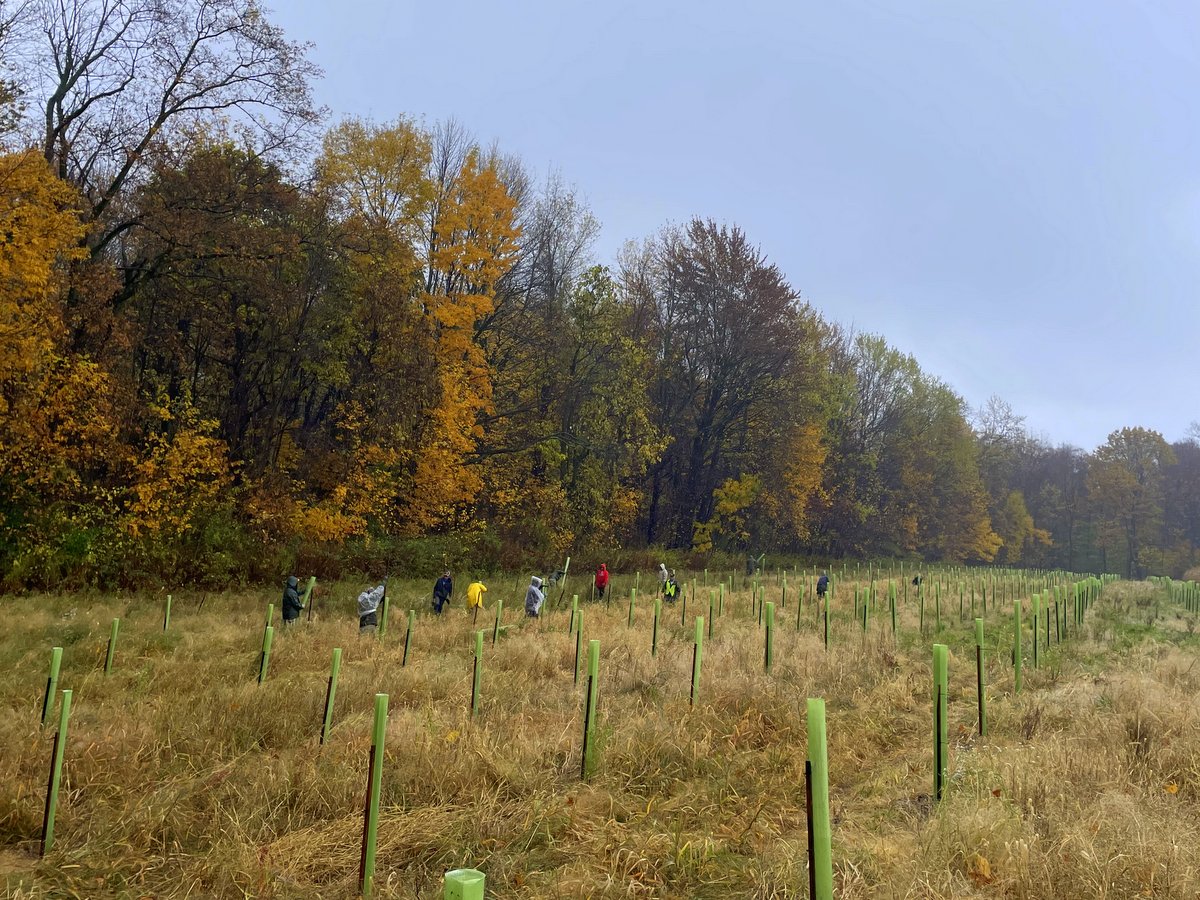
[
  {"x": 822, "y": 584},
  {"x": 601, "y": 581},
  {"x": 368, "y": 606},
  {"x": 534, "y": 598},
  {"x": 291, "y": 601},
  {"x": 663, "y": 576},
  {"x": 442, "y": 591},
  {"x": 475, "y": 592}
]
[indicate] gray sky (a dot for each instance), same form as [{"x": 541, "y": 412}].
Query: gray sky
[{"x": 1009, "y": 191}]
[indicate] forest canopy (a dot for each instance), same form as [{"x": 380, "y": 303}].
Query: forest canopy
[{"x": 238, "y": 334}]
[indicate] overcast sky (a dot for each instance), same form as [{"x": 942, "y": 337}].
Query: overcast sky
[{"x": 1008, "y": 190}]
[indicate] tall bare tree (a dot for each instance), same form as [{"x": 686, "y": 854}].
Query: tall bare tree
[{"x": 110, "y": 78}]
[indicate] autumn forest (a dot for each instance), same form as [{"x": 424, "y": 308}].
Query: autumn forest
[{"x": 239, "y": 333}]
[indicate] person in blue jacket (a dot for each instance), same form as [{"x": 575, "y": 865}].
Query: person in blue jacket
[{"x": 442, "y": 591}]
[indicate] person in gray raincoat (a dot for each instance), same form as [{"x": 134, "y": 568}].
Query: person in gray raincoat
[
  {"x": 368, "y": 606},
  {"x": 534, "y": 598},
  {"x": 291, "y": 601}
]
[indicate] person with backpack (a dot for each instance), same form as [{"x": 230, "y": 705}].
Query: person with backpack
[
  {"x": 822, "y": 585},
  {"x": 601, "y": 581},
  {"x": 442, "y": 591}
]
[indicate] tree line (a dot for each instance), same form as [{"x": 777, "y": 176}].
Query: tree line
[{"x": 235, "y": 334}]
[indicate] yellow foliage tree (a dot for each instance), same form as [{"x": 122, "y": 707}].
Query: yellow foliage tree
[
  {"x": 476, "y": 244},
  {"x": 731, "y": 504},
  {"x": 182, "y": 474}
]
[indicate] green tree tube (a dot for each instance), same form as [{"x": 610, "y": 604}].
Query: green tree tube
[
  {"x": 464, "y": 884},
  {"x": 477, "y": 679},
  {"x": 112, "y": 646},
  {"x": 51, "y": 684},
  {"x": 265, "y": 659},
  {"x": 330, "y": 693},
  {"x": 56, "y": 764},
  {"x": 587, "y": 762},
  {"x": 654, "y": 628},
  {"x": 375, "y": 783},
  {"x": 167, "y": 613},
  {"x": 1017, "y": 645},
  {"x": 820, "y": 842},
  {"x": 632, "y": 601},
  {"x": 1037, "y": 612},
  {"x": 578, "y": 646},
  {"x": 769, "y": 645},
  {"x": 499, "y": 616},
  {"x": 412, "y": 616},
  {"x": 941, "y": 722},
  {"x": 697, "y": 658},
  {"x": 979, "y": 685}
]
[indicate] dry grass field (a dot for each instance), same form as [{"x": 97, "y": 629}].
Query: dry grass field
[{"x": 185, "y": 778}]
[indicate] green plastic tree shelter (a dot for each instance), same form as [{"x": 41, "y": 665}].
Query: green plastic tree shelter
[
  {"x": 1037, "y": 611},
  {"x": 1017, "y": 645},
  {"x": 330, "y": 693},
  {"x": 366, "y": 871},
  {"x": 697, "y": 657},
  {"x": 477, "y": 680},
  {"x": 941, "y": 723},
  {"x": 820, "y": 843},
  {"x": 578, "y": 646},
  {"x": 979, "y": 685},
  {"x": 112, "y": 646},
  {"x": 769, "y": 642},
  {"x": 51, "y": 683},
  {"x": 167, "y": 613},
  {"x": 265, "y": 658},
  {"x": 464, "y": 884},
  {"x": 412, "y": 616},
  {"x": 589, "y": 709},
  {"x": 56, "y": 763}
]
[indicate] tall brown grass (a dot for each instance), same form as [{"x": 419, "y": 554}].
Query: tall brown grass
[{"x": 184, "y": 778}]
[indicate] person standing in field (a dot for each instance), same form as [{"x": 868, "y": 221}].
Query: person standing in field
[
  {"x": 475, "y": 592},
  {"x": 291, "y": 601},
  {"x": 442, "y": 591},
  {"x": 663, "y": 577},
  {"x": 368, "y": 606},
  {"x": 534, "y": 598},
  {"x": 671, "y": 589},
  {"x": 822, "y": 585},
  {"x": 601, "y": 581}
]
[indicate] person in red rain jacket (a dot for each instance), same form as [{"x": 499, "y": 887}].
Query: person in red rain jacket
[{"x": 601, "y": 581}]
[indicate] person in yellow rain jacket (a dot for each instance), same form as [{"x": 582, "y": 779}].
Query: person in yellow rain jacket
[{"x": 475, "y": 593}]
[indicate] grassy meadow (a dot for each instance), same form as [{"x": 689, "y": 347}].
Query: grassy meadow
[{"x": 184, "y": 777}]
